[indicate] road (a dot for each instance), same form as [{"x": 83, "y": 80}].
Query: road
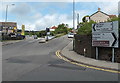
[{"x": 30, "y": 60}]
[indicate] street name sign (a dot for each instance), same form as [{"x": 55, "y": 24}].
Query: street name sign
[{"x": 105, "y": 34}]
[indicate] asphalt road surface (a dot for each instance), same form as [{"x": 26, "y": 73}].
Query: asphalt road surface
[{"x": 30, "y": 60}]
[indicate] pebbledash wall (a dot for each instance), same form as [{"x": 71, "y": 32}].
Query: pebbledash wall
[{"x": 85, "y": 42}]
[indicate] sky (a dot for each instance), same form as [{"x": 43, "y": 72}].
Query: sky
[{"x": 38, "y": 15}]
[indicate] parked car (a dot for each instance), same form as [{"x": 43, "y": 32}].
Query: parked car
[
  {"x": 70, "y": 35},
  {"x": 12, "y": 35},
  {"x": 42, "y": 40},
  {"x": 49, "y": 37}
]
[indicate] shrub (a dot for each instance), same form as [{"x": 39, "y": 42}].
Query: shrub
[{"x": 86, "y": 28}]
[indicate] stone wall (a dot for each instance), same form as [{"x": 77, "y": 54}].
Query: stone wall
[{"x": 85, "y": 41}]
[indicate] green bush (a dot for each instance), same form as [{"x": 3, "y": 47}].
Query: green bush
[
  {"x": 86, "y": 28},
  {"x": 52, "y": 33}
]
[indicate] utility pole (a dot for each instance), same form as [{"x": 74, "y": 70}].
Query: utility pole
[
  {"x": 73, "y": 23},
  {"x": 74, "y": 16}
]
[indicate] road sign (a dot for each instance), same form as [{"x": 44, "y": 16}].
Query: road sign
[
  {"x": 105, "y": 34},
  {"x": 23, "y": 30},
  {"x": 47, "y": 29},
  {"x": 101, "y": 27}
]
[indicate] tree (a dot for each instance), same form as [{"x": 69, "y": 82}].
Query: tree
[
  {"x": 42, "y": 33},
  {"x": 84, "y": 18},
  {"x": 62, "y": 28},
  {"x": 69, "y": 29},
  {"x": 113, "y": 19}
]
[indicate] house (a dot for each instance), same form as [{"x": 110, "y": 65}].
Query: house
[
  {"x": 8, "y": 27},
  {"x": 100, "y": 16},
  {"x": 53, "y": 28}
]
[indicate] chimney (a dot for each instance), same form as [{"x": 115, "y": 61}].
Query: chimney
[{"x": 98, "y": 9}]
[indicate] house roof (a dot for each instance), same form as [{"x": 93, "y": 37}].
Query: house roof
[
  {"x": 99, "y": 11},
  {"x": 54, "y": 27},
  {"x": 112, "y": 16}
]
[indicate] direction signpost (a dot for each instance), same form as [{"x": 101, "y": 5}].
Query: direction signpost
[{"x": 105, "y": 35}]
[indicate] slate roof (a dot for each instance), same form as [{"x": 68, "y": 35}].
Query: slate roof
[{"x": 99, "y": 11}]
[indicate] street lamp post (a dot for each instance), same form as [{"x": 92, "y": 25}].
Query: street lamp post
[
  {"x": 7, "y": 12},
  {"x": 6, "y": 16}
]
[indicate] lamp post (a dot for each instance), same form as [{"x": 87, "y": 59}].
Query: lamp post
[
  {"x": 6, "y": 17},
  {"x": 7, "y": 11}
]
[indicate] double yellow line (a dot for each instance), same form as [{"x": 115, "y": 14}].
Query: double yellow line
[{"x": 78, "y": 64}]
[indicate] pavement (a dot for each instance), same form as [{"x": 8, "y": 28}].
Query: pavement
[
  {"x": 15, "y": 41},
  {"x": 68, "y": 53},
  {"x": 27, "y": 38},
  {"x": 10, "y": 42}
]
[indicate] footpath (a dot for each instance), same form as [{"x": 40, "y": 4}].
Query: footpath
[
  {"x": 27, "y": 39},
  {"x": 70, "y": 54},
  {"x": 10, "y": 42}
]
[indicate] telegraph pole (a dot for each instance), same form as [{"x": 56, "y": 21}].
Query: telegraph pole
[{"x": 74, "y": 16}]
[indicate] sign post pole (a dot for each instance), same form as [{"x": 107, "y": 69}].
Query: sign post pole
[
  {"x": 97, "y": 53},
  {"x": 113, "y": 55},
  {"x": 47, "y": 33}
]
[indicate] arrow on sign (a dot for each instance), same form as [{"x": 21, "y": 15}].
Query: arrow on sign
[
  {"x": 104, "y": 39},
  {"x": 94, "y": 27},
  {"x": 115, "y": 39}
]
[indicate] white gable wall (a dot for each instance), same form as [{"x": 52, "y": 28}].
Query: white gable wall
[
  {"x": 99, "y": 17},
  {"x": 52, "y": 29}
]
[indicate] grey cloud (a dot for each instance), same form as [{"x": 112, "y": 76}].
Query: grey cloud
[{"x": 21, "y": 9}]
